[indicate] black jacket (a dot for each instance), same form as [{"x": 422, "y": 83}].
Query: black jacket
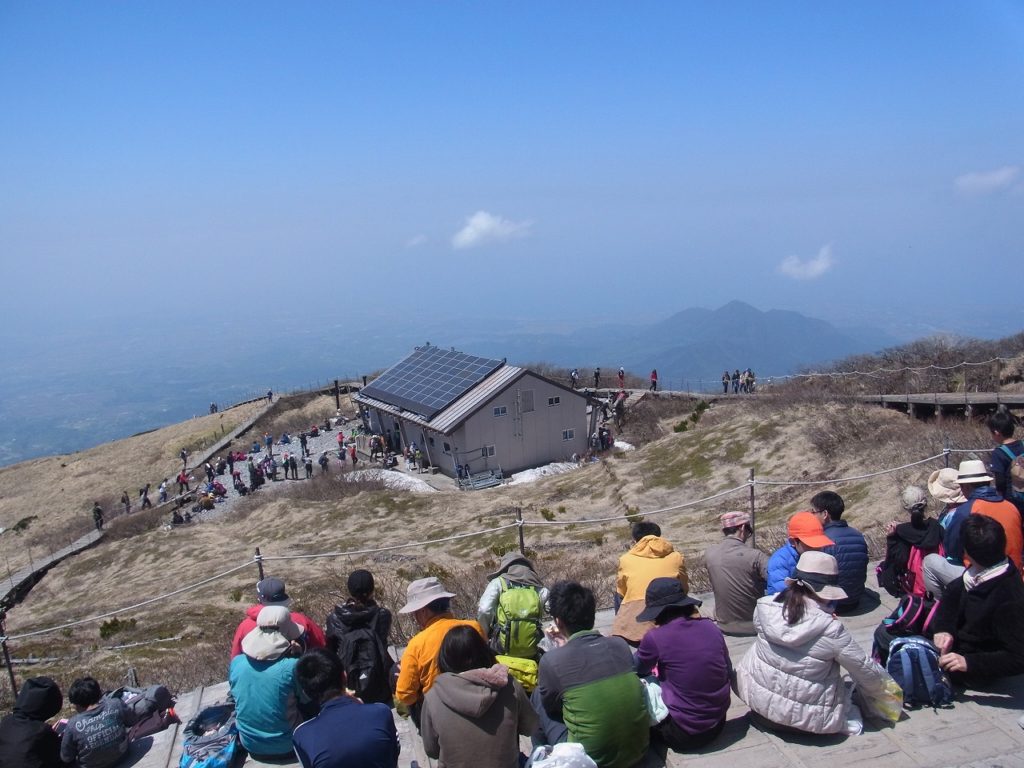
[
  {"x": 26, "y": 740},
  {"x": 923, "y": 533},
  {"x": 350, "y": 616}
]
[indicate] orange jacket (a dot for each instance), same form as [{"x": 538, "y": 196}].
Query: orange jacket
[
  {"x": 419, "y": 662},
  {"x": 650, "y": 558}
]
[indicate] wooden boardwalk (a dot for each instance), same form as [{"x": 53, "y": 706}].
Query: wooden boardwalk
[{"x": 20, "y": 582}]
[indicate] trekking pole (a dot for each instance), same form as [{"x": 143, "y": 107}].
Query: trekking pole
[
  {"x": 259, "y": 563},
  {"x": 7, "y": 655},
  {"x": 945, "y": 451},
  {"x": 519, "y": 523},
  {"x": 753, "y": 531}
]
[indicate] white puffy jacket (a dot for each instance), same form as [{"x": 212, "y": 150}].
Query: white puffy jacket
[{"x": 791, "y": 674}]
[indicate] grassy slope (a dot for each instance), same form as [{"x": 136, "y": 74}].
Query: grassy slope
[{"x": 782, "y": 440}]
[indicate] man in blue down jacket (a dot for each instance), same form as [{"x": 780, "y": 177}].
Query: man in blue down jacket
[{"x": 850, "y": 549}]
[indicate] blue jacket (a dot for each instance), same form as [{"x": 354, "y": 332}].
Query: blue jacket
[
  {"x": 266, "y": 700},
  {"x": 781, "y": 565},
  {"x": 851, "y": 553},
  {"x": 953, "y": 542}
]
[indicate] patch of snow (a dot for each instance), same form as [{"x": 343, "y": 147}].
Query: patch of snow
[
  {"x": 396, "y": 481},
  {"x": 531, "y": 475},
  {"x": 621, "y": 445}
]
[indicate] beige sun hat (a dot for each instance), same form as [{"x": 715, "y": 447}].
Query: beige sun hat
[
  {"x": 972, "y": 472},
  {"x": 273, "y": 635},
  {"x": 422, "y": 593},
  {"x": 820, "y": 573},
  {"x": 943, "y": 487}
]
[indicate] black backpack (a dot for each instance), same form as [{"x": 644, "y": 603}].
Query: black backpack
[{"x": 367, "y": 662}]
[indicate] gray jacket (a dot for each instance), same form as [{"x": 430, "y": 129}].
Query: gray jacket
[{"x": 97, "y": 737}]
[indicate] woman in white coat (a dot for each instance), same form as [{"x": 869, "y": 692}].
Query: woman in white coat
[{"x": 791, "y": 677}]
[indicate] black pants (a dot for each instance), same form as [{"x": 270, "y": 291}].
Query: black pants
[{"x": 679, "y": 740}]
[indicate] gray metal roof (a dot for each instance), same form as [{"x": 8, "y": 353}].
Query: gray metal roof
[{"x": 448, "y": 420}]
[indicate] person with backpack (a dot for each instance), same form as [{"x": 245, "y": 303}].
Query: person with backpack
[
  {"x": 979, "y": 626},
  {"x": 346, "y": 732},
  {"x": 792, "y": 676},
  {"x": 357, "y": 632},
  {"x": 906, "y": 546},
  {"x": 511, "y": 608},
  {"x": 476, "y": 711},
  {"x": 1007, "y": 461},
  {"x": 96, "y": 736},
  {"x": 26, "y": 739}
]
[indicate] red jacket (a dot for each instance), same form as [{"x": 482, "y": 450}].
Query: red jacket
[{"x": 313, "y": 634}]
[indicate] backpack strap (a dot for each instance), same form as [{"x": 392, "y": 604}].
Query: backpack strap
[
  {"x": 930, "y": 616},
  {"x": 1006, "y": 449},
  {"x": 906, "y": 681}
]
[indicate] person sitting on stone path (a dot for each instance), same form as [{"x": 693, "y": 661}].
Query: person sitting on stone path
[
  {"x": 430, "y": 605},
  {"x": 738, "y": 574},
  {"x": 849, "y": 547},
  {"x": 360, "y": 612},
  {"x": 692, "y": 663},
  {"x": 26, "y": 739},
  {"x": 587, "y": 690},
  {"x": 651, "y": 556},
  {"x": 271, "y": 591},
  {"x": 96, "y": 736},
  {"x": 514, "y": 568},
  {"x": 806, "y": 533},
  {"x": 899, "y": 573},
  {"x": 475, "y": 711},
  {"x": 791, "y": 677},
  {"x": 982, "y": 499},
  {"x": 347, "y": 732},
  {"x": 979, "y": 625},
  {"x": 263, "y": 685}
]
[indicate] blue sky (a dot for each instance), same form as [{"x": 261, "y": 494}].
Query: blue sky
[{"x": 542, "y": 162}]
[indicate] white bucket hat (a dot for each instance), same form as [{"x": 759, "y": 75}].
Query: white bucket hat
[
  {"x": 973, "y": 471},
  {"x": 423, "y": 592},
  {"x": 818, "y": 572}
]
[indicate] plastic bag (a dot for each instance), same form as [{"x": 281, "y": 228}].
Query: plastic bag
[
  {"x": 884, "y": 707},
  {"x": 656, "y": 709},
  {"x": 563, "y": 755}
]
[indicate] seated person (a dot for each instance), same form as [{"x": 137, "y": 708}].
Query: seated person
[
  {"x": 693, "y": 666},
  {"x": 587, "y": 690},
  {"x": 96, "y": 736},
  {"x": 805, "y": 534},
  {"x": 176, "y": 518},
  {"x": 346, "y": 732},
  {"x": 26, "y": 739},
  {"x": 906, "y": 545},
  {"x": 979, "y": 626},
  {"x": 650, "y": 556},
  {"x": 849, "y": 548}
]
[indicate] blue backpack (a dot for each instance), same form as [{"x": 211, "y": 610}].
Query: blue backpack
[
  {"x": 914, "y": 665},
  {"x": 211, "y": 739}
]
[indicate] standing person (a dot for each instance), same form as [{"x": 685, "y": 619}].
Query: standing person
[
  {"x": 475, "y": 712},
  {"x": 294, "y": 464},
  {"x": 183, "y": 482},
  {"x": 358, "y": 632},
  {"x": 270, "y": 396},
  {"x": 302, "y": 443},
  {"x": 184, "y": 459},
  {"x": 1002, "y": 426},
  {"x": 725, "y": 382},
  {"x": 791, "y": 677},
  {"x": 736, "y": 381},
  {"x": 347, "y": 732},
  {"x": 270, "y": 592},
  {"x": 231, "y": 462},
  {"x": 307, "y": 463},
  {"x": 849, "y": 547},
  {"x": 692, "y": 663},
  {"x": 587, "y": 690},
  {"x": 654, "y": 380},
  {"x": 323, "y": 461},
  {"x": 650, "y": 556},
  {"x": 162, "y": 498},
  {"x": 341, "y": 444},
  {"x": 622, "y": 377},
  {"x": 26, "y": 739},
  {"x": 805, "y": 533},
  {"x": 597, "y": 378},
  {"x": 907, "y": 544},
  {"x": 144, "y": 495},
  {"x": 738, "y": 574},
  {"x": 511, "y": 607},
  {"x": 268, "y": 441},
  {"x": 126, "y": 502},
  {"x": 263, "y": 685},
  {"x": 94, "y": 737},
  {"x": 430, "y": 605},
  {"x": 574, "y": 378},
  {"x": 97, "y": 515},
  {"x": 352, "y": 455}
]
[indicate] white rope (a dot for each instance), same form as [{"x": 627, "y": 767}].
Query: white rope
[
  {"x": 619, "y": 518},
  {"x": 851, "y": 478},
  {"x": 150, "y": 601},
  {"x": 454, "y": 537},
  {"x": 905, "y": 369},
  {"x": 969, "y": 450}
]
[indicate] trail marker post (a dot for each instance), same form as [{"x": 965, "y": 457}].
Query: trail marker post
[{"x": 259, "y": 563}]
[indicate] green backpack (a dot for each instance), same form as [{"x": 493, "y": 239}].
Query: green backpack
[{"x": 518, "y": 620}]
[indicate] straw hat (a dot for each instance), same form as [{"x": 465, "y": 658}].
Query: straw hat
[{"x": 973, "y": 472}]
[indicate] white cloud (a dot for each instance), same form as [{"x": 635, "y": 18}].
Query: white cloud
[
  {"x": 415, "y": 241},
  {"x": 483, "y": 227},
  {"x": 979, "y": 183},
  {"x": 808, "y": 269}
]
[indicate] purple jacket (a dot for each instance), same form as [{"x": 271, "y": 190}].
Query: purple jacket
[{"x": 693, "y": 667}]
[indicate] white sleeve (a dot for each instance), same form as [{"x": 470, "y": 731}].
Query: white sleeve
[{"x": 488, "y": 605}]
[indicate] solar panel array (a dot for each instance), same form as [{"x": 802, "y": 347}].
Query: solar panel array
[{"x": 430, "y": 379}]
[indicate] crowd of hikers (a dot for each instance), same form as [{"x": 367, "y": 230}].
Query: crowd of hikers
[{"x": 530, "y": 662}]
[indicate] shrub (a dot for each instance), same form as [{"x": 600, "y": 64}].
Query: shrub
[
  {"x": 547, "y": 514},
  {"x": 113, "y": 626}
]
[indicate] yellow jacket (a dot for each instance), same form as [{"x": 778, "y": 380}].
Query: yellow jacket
[
  {"x": 419, "y": 662},
  {"x": 650, "y": 558}
]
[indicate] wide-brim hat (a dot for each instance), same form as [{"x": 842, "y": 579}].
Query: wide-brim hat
[
  {"x": 422, "y": 593},
  {"x": 819, "y": 572},
  {"x": 273, "y": 634},
  {"x": 662, "y": 593},
  {"x": 507, "y": 561},
  {"x": 806, "y": 527},
  {"x": 973, "y": 471},
  {"x": 943, "y": 487}
]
